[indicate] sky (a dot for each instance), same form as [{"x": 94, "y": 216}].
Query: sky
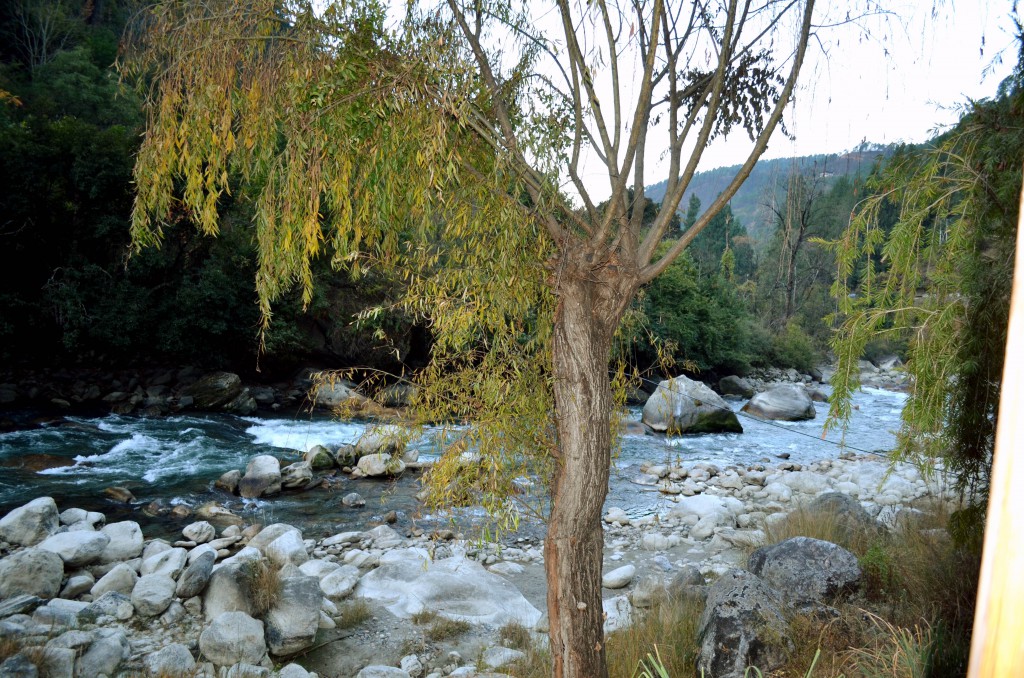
[
  {"x": 901, "y": 80},
  {"x": 857, "y": 92}
]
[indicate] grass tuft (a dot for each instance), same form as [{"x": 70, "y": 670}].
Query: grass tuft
[
  {"x": 516, "y": 636},
  {"x": 352, "y": 614},
  {"x": 264, "y": 583},
  {"x": 446, "y": 629}
]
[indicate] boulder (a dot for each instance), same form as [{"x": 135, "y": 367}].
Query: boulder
[
  {"x": 455, "y": 588},
  {"x": 228, "y": 481},
  {"x": 848, "y": 513},
  {"x": 649, "y": 591},
  {"x": 294, "y": 618},
  {"x": 288, "y": 548},
  {"x": 382, "y": 671},
  {"x": 214, "y": 391},
  {"x": 334, "y": 394},
  {"x": 270, "y": 533},
  {"x": 121, "y": 578},
  {"x": 231, "y": 638},
  {"x": 104, "y": 655},
  {"x": 196, "y": 576},
  {"x": 76, "y": 548},
  {"x": 807, "y": 570},
  {"x": 784, "y": 403},
  {"x": 296, "y": 475},
  {"x": 319, "y": 457},
  {"x": 152, "y": 594},
  {"x": 742, "y": 625},
  {"x": 111, "y": 604},
  {"x": 619, "y": 577},
  {"x": 262, "y": 477},
  {"x": 170, "y": 562},
  {"x": 170, "y": 660},
  {"x": 200, "y": 532},
  {"x": 77, "y": 585},
  {"x": 227, "y": 591},
  {"x": 125, "y": 541},
  {"x": 385, "y": 440},
  {"x": 373, "y": 465},
  {"x": 735, "y": 386},
  {"x": 19, "y": 666},
  {"x": 32, "y": 572},
  {"x": 682, "y": 405},
  {"x": 30, "y": 524},
  {"x": 340, "y": 582}
]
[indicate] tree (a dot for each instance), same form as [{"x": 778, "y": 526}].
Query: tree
[
  {"x": 929, "y": 256},
  {"x": 437, "y": 152}
]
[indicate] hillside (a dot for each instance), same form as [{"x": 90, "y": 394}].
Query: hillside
[{"x": 767, "y": 180}]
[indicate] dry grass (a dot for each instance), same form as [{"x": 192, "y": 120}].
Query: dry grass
[
  {"x": 446, "y": 629},
  {"x": 352, "y": 614},
  {"x": 516, "y": 636},
  {"x": 669, "y": 629},
  {"x": 264, "y": 583},
  {"x": 424, "y": 617},
  {"x": 8, "y": 648}
]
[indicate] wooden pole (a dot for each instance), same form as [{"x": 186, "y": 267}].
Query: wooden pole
[{"x": 997, "y": 646}]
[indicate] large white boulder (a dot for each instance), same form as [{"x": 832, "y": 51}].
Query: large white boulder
[
  {"x": 262, "y": 477},
  {"x": 77, "y": 548},
  {"x": 30, "y": 524},
  {"x": 233, "y": 637},
  {"x": 682, "y": 405},
  {"x": 787, "y": 402},
  {"x": 455, "y": 588}
]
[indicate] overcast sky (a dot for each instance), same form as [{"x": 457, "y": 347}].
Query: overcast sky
[{"x": 856, "y": 92}]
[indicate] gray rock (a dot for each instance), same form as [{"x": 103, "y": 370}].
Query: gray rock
[
  {"x": 737, "y": 386},
  {"x": 196, "y": 576},
  {"x": 73, "y": 516},
  {"x": 215, "y": 391},
  {"x": 385, "y": 440},
  {"x": 57, "y": 662},
  {"x": 288, "y": 548},
  {"x": 381, "y": 671},
  {"x": 340, "y": 582},
  {"x": 293, "y": 671},
  {"x": 76, "y": 548},
  {"x": 849, "y": 514},
  {"x": 200, "y": 532},
  {"x": 227, "y": 591},
  {"x": 784, "y": 403},
  {"x": 103, "y": 656},
  {"x": 295, "y": 475},
  {"x": 31, "y": 572},
  {"x": 72, "y": 640},
  {"x": 681, "y": 405},
  {"x": 688, "y": 575},
  {"x": 125, "y": 541},
  {"x": 174, "y": 660},
  {"x": 270, "y": 533},
  {"x": 337, "y": 394},
  {"x": 152, "y": 594},
  {"x": 497, "y": 657},
  {"x": 353, "y": 499},
  {"x": 243, "y": 670},
  {"x": 169, "y": 563},
  {"x": 262, "y": 477},
  {"x": 619, "y": 577},
  {"x": 111, "y": 604},
  {"x": 229, "y": 481},
  {"x": 294, "y": 618},
  {"x": 807, "y": 570},
  {"x": 19, "y": 604},
  {"x": 233, "y": 637},
  {"x": 649, "y": 591},
  {"x": 121, "y": 579},
  {"x": 18, "y": 666},
  {"x": 319, "y": 458},
  {"x": 30, "y": 524},
  {"x": 77, "y": 585},
  {"x": 375, "y": 465},
  {"x": 742, "y": 625}
]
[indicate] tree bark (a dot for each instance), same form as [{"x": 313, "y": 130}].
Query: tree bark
[{"x": 573, "y": 548}]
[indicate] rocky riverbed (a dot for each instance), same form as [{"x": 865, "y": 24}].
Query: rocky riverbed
[{"x": 87, "y": 593}]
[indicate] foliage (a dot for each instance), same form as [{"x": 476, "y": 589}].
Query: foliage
[{"x": 939, "y": 276}]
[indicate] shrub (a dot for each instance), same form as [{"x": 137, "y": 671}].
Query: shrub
[{"x": 264, "y": 583}]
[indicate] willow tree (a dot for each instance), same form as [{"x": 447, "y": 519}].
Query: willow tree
[
  {"x": 451, "y": 150},
  {"x": 929, "y": 257}
]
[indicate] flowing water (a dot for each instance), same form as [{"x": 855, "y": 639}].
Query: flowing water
[{"x": 176, "y": 459}]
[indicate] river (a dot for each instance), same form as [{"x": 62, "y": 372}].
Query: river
[{"x": 177, "y": 458}]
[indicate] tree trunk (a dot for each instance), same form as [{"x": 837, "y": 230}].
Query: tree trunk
[{"x": 575, "y": 540}]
